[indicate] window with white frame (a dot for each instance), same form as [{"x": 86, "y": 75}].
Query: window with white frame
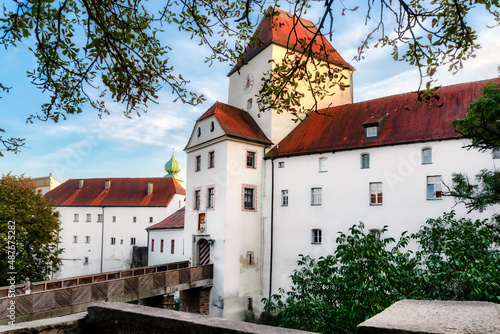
[
  {"x": 197, "y": 163},
  {"x": 100, "y": 217},
  {"x": 365, "y": 161},
  {"x": 76, "y": 217},
  {"x": 210, "y": 197},
  {"x": 132, "y": 241},
  {"x": 375, "y": 193},
  {"x": 196, "y": 201},
  {"x": 134, "y": 219},
  {"x": 87, "y": 239},
  {"x": 371, "y": 131},
  {"x": 434, "y": 187},
  {"x": 89, "y": 217},
  {"x": 172, "y": 246},
  {"x": 150, "y": 219},
  {"x": 284, "y": 197},
  {"x": 316, "y": 237},
  {"x": 162, "y": 243},
  {"x": 211, "y": 159},
  {"x": 316, "y": 196},
  {"x": 75, "y": 239},
  {"x": 113, "y": 240},
  {"x": 85, "y": 260},
  {"x": 248, "y": 199},
  {"x": 426, "y": 156},
  {"x": 322, "y": 164},
  {"x": 250, "y": 159},
  {"x": 281, "y": 164},
  {"x": 121, "y": 241},
  {"x": 114, "y": 219},
  {"x": 496, "y": 154}
]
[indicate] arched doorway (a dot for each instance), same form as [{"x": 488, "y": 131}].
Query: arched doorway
[{"x": 203, "y": 252}]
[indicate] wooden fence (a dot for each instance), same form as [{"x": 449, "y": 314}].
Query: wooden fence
[{"x": 111, "y": 286}]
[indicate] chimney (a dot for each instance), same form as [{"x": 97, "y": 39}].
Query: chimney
[
  {"x": 150, "y": 188},
  {"x": 80, "y": 184},
  {"x": 107, "y": 183}
]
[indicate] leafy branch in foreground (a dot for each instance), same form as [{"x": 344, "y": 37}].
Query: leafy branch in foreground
[
  {"x": 86, "y": 49},
  {"x": 481, "y": 125}
]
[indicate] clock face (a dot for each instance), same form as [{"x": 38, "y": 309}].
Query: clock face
[{"x": 248, "y": 83}]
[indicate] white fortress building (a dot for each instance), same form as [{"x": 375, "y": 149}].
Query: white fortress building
[
  {"x": 262, "y": 189},
  {"x": 103, "y": 219}
]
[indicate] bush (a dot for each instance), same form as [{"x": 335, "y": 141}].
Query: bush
[{"x": 456, "y": 260}]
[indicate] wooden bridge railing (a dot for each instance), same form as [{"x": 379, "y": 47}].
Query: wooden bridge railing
[
  {"x": 102, "y": 277},
  {"x": 75, "y": 294}
]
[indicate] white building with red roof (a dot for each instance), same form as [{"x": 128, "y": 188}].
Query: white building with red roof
[
  {"x": 166, "y": 240},
  {"x": 103, "y": 219},
  {"x": 262, "y": 189}
]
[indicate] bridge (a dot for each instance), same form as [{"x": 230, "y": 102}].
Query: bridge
[{"x": 71, "y": 295}]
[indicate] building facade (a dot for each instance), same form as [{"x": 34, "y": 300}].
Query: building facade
[
  {"x": 103, "y": 219},
  {"x": 166, "y": 243},
  {"x": 262, "y": 189}
]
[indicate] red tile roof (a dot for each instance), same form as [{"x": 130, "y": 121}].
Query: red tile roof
[
  {"x": 342, "y": 128},
  {"x": 175, "y": 220},
  {"x": 236, "y": 122},
  {"x": 129, "y": 192},
  {"x": 289, "y": 32}
]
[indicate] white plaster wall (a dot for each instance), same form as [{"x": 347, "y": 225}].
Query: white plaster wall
[
  {"x": 205, "y": 133},
  {"x": 117, "y": 256},
  {"x": 233, "y": 231},
  {"x": 243, "y": 231},
  {"x": 215, "y": 218},
  {"x": 74, "y": 253},
  {"x": 156, "y": 257},
  {"x": 346, "y": 197}
]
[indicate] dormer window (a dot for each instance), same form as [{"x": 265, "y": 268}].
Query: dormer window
[
  {"x": 373, "y": 126},
  {"x": 371, "y": 131}
]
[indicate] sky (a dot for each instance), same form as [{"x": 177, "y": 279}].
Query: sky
[{"x": 86, "y": 146}]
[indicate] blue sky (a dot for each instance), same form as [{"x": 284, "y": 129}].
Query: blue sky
[{"x": 85, "y": 146}]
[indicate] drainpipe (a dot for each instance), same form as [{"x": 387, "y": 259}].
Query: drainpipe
[
  {"x": 272, "y": 230},
  {"x": 102, "y": 237}
]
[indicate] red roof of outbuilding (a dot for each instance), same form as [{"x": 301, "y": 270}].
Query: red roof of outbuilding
[
  {"x": 236, "y": 122},
  {"x": 175, "y": 220},
  {"x": 342, "y": 128},
  {"x": 122, "y": 192},
  {"x": 290, "y": 32}
]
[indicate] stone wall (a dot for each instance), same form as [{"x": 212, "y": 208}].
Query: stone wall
[
  {"x": 195, "y": 301},
  {"x": 434, "y": 317}
]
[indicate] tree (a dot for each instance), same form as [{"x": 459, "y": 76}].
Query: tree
[
  {"x": 481, "y": 125},
  {"x": 460, "y": 259},
  {"x": 85, "y": 49},
  {"x": 29, "y": 231},
  {"x": 335, "y": 293},
  {"x": 456, "y": 260}
]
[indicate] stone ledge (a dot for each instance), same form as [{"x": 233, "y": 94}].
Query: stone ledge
[
  {"x": 66, "y": 324},
  {"x": 435, "y": 317},
  {"x": 125, "y": 318}
]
